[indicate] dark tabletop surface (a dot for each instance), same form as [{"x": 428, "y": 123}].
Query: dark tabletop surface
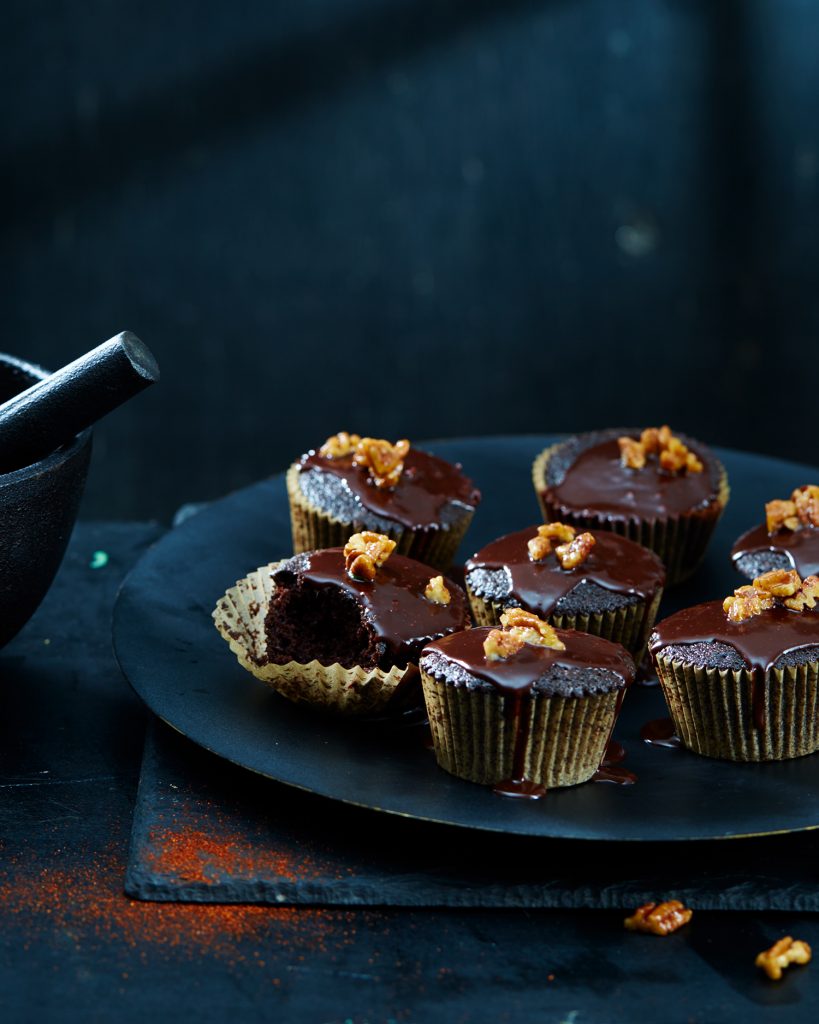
[{"x": 73, "y": 947}]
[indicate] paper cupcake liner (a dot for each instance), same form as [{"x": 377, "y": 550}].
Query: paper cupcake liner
[
  {"x": 474, "y": 734},
  {"x": 239, "y": 616},
  {"x": 314, "y": 529},
  {"x": 680, "y": 541},
  {"x": 713, "y": 710},
  {"x": 630, "y": 626}
]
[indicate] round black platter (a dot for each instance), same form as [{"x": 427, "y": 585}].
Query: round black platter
[{"x": 175, "y": 660}]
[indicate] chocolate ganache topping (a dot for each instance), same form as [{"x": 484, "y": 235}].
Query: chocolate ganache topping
[
  {"x": 703, "y": 635},
  {"x": 430, "y": 493},
  {"x": 586, "y": 476},
  {"x": 394, "y": 616},
  {"x": 758, "y": 551},
  {"x": 621, "y": 569},
  {"x": 588, "y": 665}
]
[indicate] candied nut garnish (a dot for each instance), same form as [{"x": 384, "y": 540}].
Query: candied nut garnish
[
  {"x": 806, "y": 502},
  {"x": 659, "y": 918},
  {"x": 576, "y": 551},
  {"x": 366, "y": 552},
  {"x": 632, "y": 453},
  {"x": 436, "y": 592},
  {"x": 499, "y": 645},
  {"x": 361, "y": 567},
  {"x": 806, "y": 596},
  {"x": 672, "y": 454},
  {"x": 338, "y": 445},
  {"x": 747, "y": 602},
  {"x": 557, "y": 531},
  {"x": 377, "y": 545},
  {"x": 385, "y": 461},
  {"x": 779, "y": 582},
  {"x": 540, "y": 545},
  {"x": 530, "y": 629},
  {"x": 781, "y": 515},
  {"x": 787, "y": 951},
  {"x": 538, "y": 548}
]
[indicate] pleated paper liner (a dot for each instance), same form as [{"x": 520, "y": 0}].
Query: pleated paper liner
[
  {"x": 713, "y": 710},
  {"x": 630, "y": 625},
  {"x": 680, "y": 541},
  {"x": 239, "y": 616},
  {"x": 314, "y": 529},
  {"x": 474, "y": 734}
]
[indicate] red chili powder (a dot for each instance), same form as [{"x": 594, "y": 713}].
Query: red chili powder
[{"x": 85, "y": 901}]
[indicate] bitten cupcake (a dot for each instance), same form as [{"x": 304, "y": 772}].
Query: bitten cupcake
[
  {"x": 341, "y": 629},
  {"x": 741, "y": 676},
  {"x": 525, "y": 707},
  {"x": 788, "y": 539},
  {"x": 660, "y": 490},
  {"x": 353, "y": 483},
  {"x": 595, "y": 582}
]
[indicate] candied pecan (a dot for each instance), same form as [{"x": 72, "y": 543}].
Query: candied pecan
[
  {"x": 436, "y": 592},
  {"x": 499, "y": 645},
  {"x": 530, "y": 629},
  {"x": 339, "y": 445},
  {"x": 378, "y": 546},
  {"x": 746, "y": 602},
  {"x": 674, "y": 457},
  {"x": 786, "y": 951},
  {"x": 632, "y": 453},
  {"x": 806, "y": 596},
  {"x": 576, "y": 551},
  {"x": 692, "y": 463},
  {"x": 538, "y": 548},
  {"x": 806, "y": 501},
  {"x": 361, "y": 567},
  {"x": 384, "y": 461},
  {"x": 659, "y": 918},
  {"x": 653, "y": 439},
  {"x": 781, "y": 515},
  {"x": 779, "y": 582},
  {"x": 557, "y": 531}
]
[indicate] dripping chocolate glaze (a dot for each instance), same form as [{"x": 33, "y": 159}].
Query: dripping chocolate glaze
[
  {"x": 426, "y": 487},
  {"x": 799, "y": 547},
  {"x": 601, "y": 667},
  {"x": 614, "y": 563},
  {"x": 761, "y": 641},
  {"x": 597, "y": 483},
  {"x": 393, "y": 605}
]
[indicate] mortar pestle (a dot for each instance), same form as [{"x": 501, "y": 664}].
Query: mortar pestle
[{"x": 45, "y": 449}]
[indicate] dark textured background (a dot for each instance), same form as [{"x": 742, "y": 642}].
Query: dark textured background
[{"x": 412, "y": 217}]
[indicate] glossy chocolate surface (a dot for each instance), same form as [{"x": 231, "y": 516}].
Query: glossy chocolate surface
[
  {"x": 589, "y": 664},
  {"x": 427, "y": 488},
  {"x": 393, "y": 605},
  {"x": 761, "y": 641},
  {"x": 596, "y": 482},
  {"x": 614, "y": 563},
  {"x": 799, "y": 547}
]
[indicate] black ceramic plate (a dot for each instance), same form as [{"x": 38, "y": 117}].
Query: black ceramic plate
[{"x": 185, "y": 673}]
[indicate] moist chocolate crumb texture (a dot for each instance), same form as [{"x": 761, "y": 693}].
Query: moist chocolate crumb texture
[
  {"x": 355, "y": 483},
  {"x": 662, "y": 490},
  {"x": 526, "y": 707},
  {"x": 341, "y": 628},
  {"x": 788, "y": 539},
  {"x": 597, "y": 582},
  {"x": 741, "y": 676}
]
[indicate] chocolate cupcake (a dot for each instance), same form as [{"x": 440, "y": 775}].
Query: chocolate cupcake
[
  {"x": 663, "y": 491},
  {"x": 788, "y": 539},
  {"x": 595, "y": 582},
  {"x": 342, "y": 628},
  {"x": 741, "y": 676},
  {"x": 423, "y": 503},
  {"x": 526, "y": 707}
]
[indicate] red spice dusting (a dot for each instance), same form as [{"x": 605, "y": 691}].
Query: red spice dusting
[{"x": 84, "y": 901}]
